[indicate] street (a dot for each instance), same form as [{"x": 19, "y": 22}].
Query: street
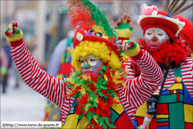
[{"x": 22, "y": 104}]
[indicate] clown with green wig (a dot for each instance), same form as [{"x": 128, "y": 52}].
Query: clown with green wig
[{"x": 98, "y": 94}]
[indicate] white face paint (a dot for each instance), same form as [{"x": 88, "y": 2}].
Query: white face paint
[
  {"x": 148, "y": 33},
  {"x": 160, "y": 34},
  {"x": 154, "y": 37}
]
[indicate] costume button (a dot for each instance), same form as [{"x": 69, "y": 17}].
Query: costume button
[
  {"x": 179, "y": 79},
  {"x": 79, "y": 37}
]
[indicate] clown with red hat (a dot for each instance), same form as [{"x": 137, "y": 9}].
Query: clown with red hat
[{"x": 169, "y": 40}]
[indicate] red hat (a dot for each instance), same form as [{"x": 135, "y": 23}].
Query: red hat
[
  {"x": 91, "y": 35},
  {"x": 161, "y": 20},
  {"x": 91, "y": 25}
]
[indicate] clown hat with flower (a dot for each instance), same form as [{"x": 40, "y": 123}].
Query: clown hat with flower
[
  {"x": 160, "y": 19},
  {"x": 178, "y": 29},
  {"x": 152, "y": 17},
  {"x": 93, "y": 31}
]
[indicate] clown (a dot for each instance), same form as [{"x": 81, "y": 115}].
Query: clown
[
  {"x": 98, "y": 94},
  {"x": 172, "y": 103}
]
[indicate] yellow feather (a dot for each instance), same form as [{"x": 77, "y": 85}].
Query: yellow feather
[{"x": 105, "y": 77}]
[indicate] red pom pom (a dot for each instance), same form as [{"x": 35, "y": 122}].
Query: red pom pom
[
  {"x": 14, "y": 23},
  {"x": 6, "y": 33},
  {"x": 118, "y": 23},
  {"x": 131, "y": 43}
]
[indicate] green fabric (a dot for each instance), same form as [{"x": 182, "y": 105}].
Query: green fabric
[
  {"x": 114, "y": 116},
  {"x": 162, "y": 120},
  {"x": 176, "y": 116},
  {"x": 181, "y": 97},
  {"x": 7, "y": 29},
  {"x": 18, "y": 31},
  {"x": 178, "y": 72},
  {"x": 168, "y": 98},
  {"x": 124, "y": 26},
  {"x": 69, "y": 41},
  {"x": 134, "y": 46},
  {"x": 67, "y": 53}
]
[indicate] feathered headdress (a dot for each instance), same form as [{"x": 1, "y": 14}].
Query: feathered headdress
[
  {"x": 86, "y": 16},
  {"x": 175, "y": 8},
  {"x": 91, "y": 25}
]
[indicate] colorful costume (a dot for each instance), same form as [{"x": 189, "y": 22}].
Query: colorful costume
[
  {"x": 174, "y": 107},
  {"x": 102, "y": 101}
]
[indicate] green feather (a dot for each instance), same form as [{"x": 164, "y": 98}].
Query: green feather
[
  {"x": 109, "y": 124},
  {"x": 105, "y": 67},
  {"x": 99, "y": 18},
  {"x": 90, "y": 116},
  {"x": 122, "y": 54}
]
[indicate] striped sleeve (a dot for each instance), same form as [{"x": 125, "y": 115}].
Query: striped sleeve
[
  {"x": 131, "y": 71},
  {"x": 51, "y": 87},
  {"x": 139, "y": 89},
  {"x": 187, "y": 74},
  {"x": 190, "y": 89}
]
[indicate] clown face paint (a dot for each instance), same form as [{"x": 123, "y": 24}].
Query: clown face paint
[
  {"x": 91, "y": 64},
  {"x": 154, "y": 37}
]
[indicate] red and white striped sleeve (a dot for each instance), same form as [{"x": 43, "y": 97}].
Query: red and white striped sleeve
[
  {"x": 190, "y": 89},
  {"x": 187, "y": 74},
  {"x": 139, "y": 89},
  {"x": 131, "y": 73},
  {"x": 51, "y": 87}
]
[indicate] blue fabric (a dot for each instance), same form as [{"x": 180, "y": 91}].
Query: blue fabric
[
  {"x": 163, "y": 127},
  {"x": 187, "y": 98},
  {"x": 165, "y": 92}
]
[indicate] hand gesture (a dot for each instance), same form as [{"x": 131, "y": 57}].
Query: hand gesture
[
  {"x": 13, "y": 33},
  {"x": 129, "y": 47},
  {"x": 124, "y": 27}
]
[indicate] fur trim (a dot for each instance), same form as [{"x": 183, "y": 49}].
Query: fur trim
[
  {"x": 177, "y": 52},
  {"x": 170, "y": 54}
]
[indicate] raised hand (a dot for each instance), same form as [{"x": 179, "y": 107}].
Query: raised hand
[
  {"x": 13, "y": 33},
  {"x": 124, "y": 27},
  {"x": 129, "y": 47}
]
